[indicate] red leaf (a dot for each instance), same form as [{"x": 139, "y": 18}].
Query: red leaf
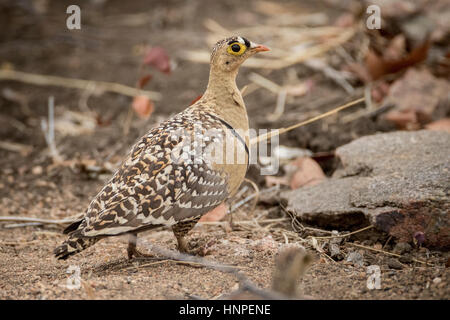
[
  {"x": 379, "y": 66},
  {"x": 143, "y": 106},
  {"x": 144, "y": 80},
  {"x": 158, "y": 58}
]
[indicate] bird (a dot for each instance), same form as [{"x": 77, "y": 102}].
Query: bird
[{"x": 179, "y": 170}]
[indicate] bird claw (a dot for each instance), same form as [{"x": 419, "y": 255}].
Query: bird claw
[{"x": 133, "y": 252}]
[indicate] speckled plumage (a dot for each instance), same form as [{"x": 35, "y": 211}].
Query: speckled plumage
[{"x": 167, "y": 178}]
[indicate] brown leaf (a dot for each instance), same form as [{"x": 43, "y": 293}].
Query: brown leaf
[
  {"x": 309, "y": 173},
  {"x": 416, "y": 98},
  {"x": 158, "y": 58},
  {"x": 143, "y": 106},
  {"x": 144, "y": 80},
  {"x": 404, "y": 119},
  {"x": 396, "y": 48},
  {"x": 216, "y": 214},
  {"x": 102, "y": 122},
  {"x": 379, "y": 66},
  {"x": 439, "y": 125}
]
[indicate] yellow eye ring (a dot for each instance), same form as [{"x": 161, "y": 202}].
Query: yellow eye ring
[{"x": 232, "y": 48}]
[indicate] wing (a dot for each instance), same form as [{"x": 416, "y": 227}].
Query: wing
[{"x": 165, "y": 180}]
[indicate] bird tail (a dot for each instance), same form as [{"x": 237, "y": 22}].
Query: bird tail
[{"x": 76, "y": 243}]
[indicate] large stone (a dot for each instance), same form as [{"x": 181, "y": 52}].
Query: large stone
[{"x": 398, "y": 181}]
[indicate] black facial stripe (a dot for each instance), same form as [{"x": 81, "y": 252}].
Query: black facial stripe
[
  {"x": 232, "y": 41},
  {"x": 247, "y": 43}
]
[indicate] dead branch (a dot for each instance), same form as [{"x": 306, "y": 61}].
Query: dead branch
[
  {"x": 39, "y": 220},
  {"x": 321, "y": 116},
  {"x": 102, "y": 86},
  {"x": 387, "y": 253}
]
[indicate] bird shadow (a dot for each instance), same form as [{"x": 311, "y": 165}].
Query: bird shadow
[{"x": 125, "y": 264}]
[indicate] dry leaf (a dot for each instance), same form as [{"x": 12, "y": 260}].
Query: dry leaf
[
  {"x": 158, "y": 58},
  {"x": 143, "y": 106},
  {"x": 379, "y": 66},
  {"x": 439, "y": 125},
  {"x": 404, "y": 119},
  {"x": 144, "y": 80},
  {"x": 416, "y": 98},
  {"x": 309, "y": 173},
  {"x": 396, "y": 48}
]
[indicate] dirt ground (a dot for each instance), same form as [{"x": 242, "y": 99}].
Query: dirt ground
[{"x": 108, "y": 48}]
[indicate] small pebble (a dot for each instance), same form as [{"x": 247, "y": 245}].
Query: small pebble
[
  {"x": 405, "y": 259},
  {"x": 437, "y": 280},
  {"x": 356, "y": 258},
  {"x": 394, "y": 264},
  {"x": 37, "y": 170}
]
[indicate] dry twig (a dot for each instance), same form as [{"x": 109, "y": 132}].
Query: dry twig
[
  {"x": 387, "y": 253},
  {"x": 45, "y": 80}
]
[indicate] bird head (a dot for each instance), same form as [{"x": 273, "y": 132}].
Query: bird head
[{"x": 228, "y": 54}]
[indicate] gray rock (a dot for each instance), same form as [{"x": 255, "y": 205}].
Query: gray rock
[
  {"x": 394, "y": 264},
  {"x": 398, "y": 181},
  {"x": 355, "y": 258}
]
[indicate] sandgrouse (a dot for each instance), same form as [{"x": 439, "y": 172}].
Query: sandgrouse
[{"x": 179, "y": 170}]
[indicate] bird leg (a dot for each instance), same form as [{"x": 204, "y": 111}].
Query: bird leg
[
  {"x": 180, "y": 230},
  {"x": 133, "y": 251}
]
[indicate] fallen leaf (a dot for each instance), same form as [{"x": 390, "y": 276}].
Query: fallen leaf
[
  {"x": 101, "y": 122},
  {"x": 396, "y": 48},
  {"x": 144, "y": 80},
  {"x": 378, "y": 66},
  {"x": 309, "y": 173},
  {"x": 439, "y": 125},
  {"x": 416, "y": 98},
  {"x": 143, "y": 106},
  {"x": 158, "y": 58},
  {"x": 216, "y": 214},
  {"x": 404, "y": 119}
]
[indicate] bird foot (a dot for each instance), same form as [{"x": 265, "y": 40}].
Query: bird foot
[{"x": 132, "y": 251}]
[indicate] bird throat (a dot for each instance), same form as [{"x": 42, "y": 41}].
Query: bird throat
[{"x": 224, "y": 98}]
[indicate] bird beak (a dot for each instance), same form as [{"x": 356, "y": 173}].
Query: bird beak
[{"x": 259, "y": 47}]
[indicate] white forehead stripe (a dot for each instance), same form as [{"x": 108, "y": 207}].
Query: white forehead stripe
[
  {"x": 253, "y": 45},
  {"x": 240, "y": 40}
]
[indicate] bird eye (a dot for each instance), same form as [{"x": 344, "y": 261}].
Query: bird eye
[{"x": 236, "y": 48}]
